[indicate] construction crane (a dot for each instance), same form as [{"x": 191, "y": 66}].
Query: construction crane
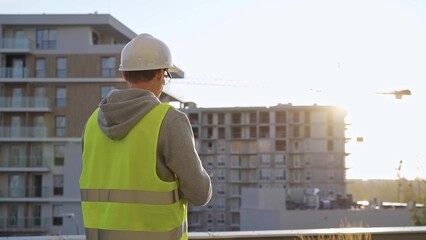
[
  {"x": 217, "y": 81},
  {"x": 398, "y": 93}
]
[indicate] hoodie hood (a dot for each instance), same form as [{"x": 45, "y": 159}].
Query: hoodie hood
[{"x": 120, "y": 110}]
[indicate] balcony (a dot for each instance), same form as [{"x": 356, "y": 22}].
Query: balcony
[
  {"x": 25, "y": 164},
  {"x": 8, "y": 133},
  {"x": 24, "y": 104},
  {"x": 16, "y": 45},
  {"x": 16, "y": 72},
  {"x": 19, "y": 225},
  {"x": 21, "y": 193}
]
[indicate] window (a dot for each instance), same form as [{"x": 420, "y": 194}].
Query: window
[
  {"x": 209, "y": 218},
  {"x": 221, "y": 161},
  {"x": 253, "y": 132},
  {"x": 40, "y": 66},
  {"x": 308, "y": 175},
  {"x": 58, "y": 210},
  {"x": 307, "y": 160},
  {"x": 265, "y": 174},
  {"x": 265, "y": 160},
  {"x": 307, "y": 117},
  {"x": 280, "y": 117},
  {"x": 208, "y": 161},
  {"x": 195, "y": 132},
  {"x": 330, "y": 146},
  {"x": 61, "y": 96},
  {"x": 280, "y": 174},
  {"x": 46, "y": 39},
  {"x": 236, "y": 132},
  {"x": 59, "y": 155},
  {"x": 280, "y": 131},
  {"x": 220, "y": 218},
  {"x": 264, "y": 132},
  {"x": 280, "y": 145},
  {"x": 108, "y": 67},
  {"x": 279, "y": 160},
  {"x": 105, "y": 90},
  {"x": 61, "y": 67},
  {"x": 221, "y": 118},
  {"x": 12, "y": 215},
  {"x": 220, "y": 189},
  {"x": 209, "y": 118},
  {"x": 296, "y": 161},
  {"x": 221, "y": 132},
  {"x": 296, "y": 132},
  {"x": 60, "y": 126},
  {"x": 330, "y": 160},
  {"x": 330, "y": 130},
  {"x": 58, "y": 185},
  {"x": 252, "y": 117},
  {"x": 264, "y": 117},
  {"x": 220, "y": 203},
  {"x": 307, "y": 131},
  {"x": 331, "y": 174},
  {"x": 193, "y": 118},
  {"x": 236, "y": 118},
  {"x": 236, "y": 147},
  {"x": 295, "y": 116},
  {"x": 95, "y": 38},
  {"x": 221, "y": 175},
  {"x": 209, "y": 132}
]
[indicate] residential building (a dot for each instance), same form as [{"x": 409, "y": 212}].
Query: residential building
[
  {"x": 54, "y": 70},
  {"x": 284, "y": 146}
]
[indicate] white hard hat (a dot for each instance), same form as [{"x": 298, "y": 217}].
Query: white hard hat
[{"x": 146, "y": 52}]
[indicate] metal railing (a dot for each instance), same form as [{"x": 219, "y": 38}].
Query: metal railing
[
  {"x": 25, "y": 192},
  {"x": 25, "y": 162},
  {"x": 23, "y": 44},
  {"x": 23, "y": 132},
  {"x": 377, "y": 233},
  {"x": 15, "y": 72},
  {"x": 24, "y": 102},
  {"x": 13, "y": 225}
]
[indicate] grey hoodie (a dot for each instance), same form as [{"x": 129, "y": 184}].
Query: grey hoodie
[{"x": 120, "y": 110}]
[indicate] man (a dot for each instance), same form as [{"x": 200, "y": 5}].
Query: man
[{"x": 140, "y": 166}]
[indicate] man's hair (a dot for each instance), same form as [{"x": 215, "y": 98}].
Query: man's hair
[{"x": 140, "y": 76}]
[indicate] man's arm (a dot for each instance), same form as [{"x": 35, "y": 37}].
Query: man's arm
[{"x": 182, "y": 159}]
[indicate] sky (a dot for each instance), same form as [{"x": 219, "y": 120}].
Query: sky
[{"x": 265, "y": 52}]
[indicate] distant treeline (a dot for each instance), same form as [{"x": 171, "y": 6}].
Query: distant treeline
[{"x": 402, "y": 190}]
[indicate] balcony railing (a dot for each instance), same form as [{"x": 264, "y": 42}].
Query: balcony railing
[
  {"x": 13, "y": 224},
  {"x": 25, "y": 162},
  {"x": 26, "y": 192},
  {"x": 16, "y": 72},
  {"x": 16, "y": 45},
  {"x": 14, "y": 103},
  {"x": 23, "y": 132}
]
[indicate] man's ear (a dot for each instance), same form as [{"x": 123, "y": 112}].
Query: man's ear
[
  {"x": 159, "y": 74},
  {"x": 124, "y": 77}
]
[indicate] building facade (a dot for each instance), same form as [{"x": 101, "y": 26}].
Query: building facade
[
  {"x": 285, "y": 146},
  {"x": 54, "y": 70}
]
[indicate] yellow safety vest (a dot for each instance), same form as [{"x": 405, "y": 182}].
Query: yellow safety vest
[{"x": 122, "y": 195}]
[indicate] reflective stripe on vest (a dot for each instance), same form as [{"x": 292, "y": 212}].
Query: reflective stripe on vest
[
  {"x": 121, "y": 192},
  {"x": 129, "y": 196},
  {"x": 177, "y": 233}
]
